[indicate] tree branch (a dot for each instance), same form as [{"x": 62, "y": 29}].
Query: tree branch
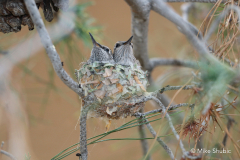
[
  {"x": 7, "y": 154},
  {"x": 152, "y": 131},
  {"x": 163, "y": 9},
  {"x": 172, "y": 107},
  {"x": 168, "y": 88},
  {"x": 144, "y": 142},
  {"x": 140, "y": 19},
  {"x": 186, "y": 7},
  {"x": 160, "y": 141},
  {"x": 199, "y": 1},
  {"x": 83, "y": 134},
  {"x": 50, "y": 48},
  {"x": 15, "y": 55},
  {"x": 185, "y": 153},
  {"x": 155, "y": 62}
]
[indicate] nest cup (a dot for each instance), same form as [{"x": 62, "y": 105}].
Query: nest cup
[{"x": 113, "y": 89}]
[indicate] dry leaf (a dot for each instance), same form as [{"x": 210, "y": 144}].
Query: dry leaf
[
  {"x": 108, "y": 72},
  {"x": 114, "y": 80},
  {"x": 90, "y": 78},
  {"x": 97, "y": 70},
  {"x": 136, "y": 109},
  {"x": 106, "y": 81},
  {"x": 110, "y": 111},
  {"x": 107, "y": 110},
  {"x": 91, "y": 82},
  {"x": 95, "y": 84},
  {"x": 83, "y": 80},
  {"x": 138, "y": 82},
  {"x": 100, "y": 86},
  {"x": 108, "y": 126},
  {"x": 115, "y": 90},
  {"x": 91, "y": 86},
  {"x": 88, "y": 72},
  {"x": 111, "y": 77},
  {"x": 131, "y": 81},
  {"x": 119, "y": 87},
  {"x": 96, "y": 77},
  {"x": 100, "y": 94}
]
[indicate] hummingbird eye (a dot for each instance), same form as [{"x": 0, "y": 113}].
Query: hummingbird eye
[
  {"x": 105, "y": 48},
  {"x": 117, "y": 45}
]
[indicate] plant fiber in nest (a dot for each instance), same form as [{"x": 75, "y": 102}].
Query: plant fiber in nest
[{"x": 112, "y": 89}]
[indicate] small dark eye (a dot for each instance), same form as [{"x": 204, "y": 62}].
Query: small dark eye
[
  {"x": 117, "y": 45},
  {"x": 106, "y": 49}
]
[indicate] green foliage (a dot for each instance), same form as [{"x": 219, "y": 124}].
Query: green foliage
[
  {"x": 133, "y": 123},
  {"x": 27, "y": 157}
]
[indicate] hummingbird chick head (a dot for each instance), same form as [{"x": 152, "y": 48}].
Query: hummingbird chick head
[
  {"x": 123, "y": 53},
  {"x": 100, "y": 53}
]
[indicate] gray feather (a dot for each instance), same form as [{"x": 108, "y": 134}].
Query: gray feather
[{"x": 123, "y": 53}]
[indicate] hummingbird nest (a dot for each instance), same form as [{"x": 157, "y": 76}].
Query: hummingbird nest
[{"x": 113, "y": 88}]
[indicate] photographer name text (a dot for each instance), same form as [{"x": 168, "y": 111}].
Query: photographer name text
[{"x": 214, "y": 150}]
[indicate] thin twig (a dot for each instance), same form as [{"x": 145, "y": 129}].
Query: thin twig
[
  {"x": 229, "y": 124},
  {"x": 144, "y": 142},
  {"x": 185, "y": 153},
  {"x": 171, "y": 62},
  {"x": 160, "y": 141},
  {"x": 50, "y": 48},
  {"x": 217, "y": 21},
  {"x": 83, "y": 134},
  {"x": 172, "y": 107},
  {"x": 186, "y": 7},
  {"x": 168, "y": 88},
  {"x": 170, "y": 122},
  {"x": 163, "y": 9},
  {"x": 7, "y": 154},
  {"x": 199, "y": 1}
]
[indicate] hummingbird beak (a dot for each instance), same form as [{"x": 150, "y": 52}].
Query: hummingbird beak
[
  {"x": 128, "y": 41},
  {"x": 93, "y": 40}
]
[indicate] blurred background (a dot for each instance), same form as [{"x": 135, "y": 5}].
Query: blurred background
[{"x": 47, "y": 120}]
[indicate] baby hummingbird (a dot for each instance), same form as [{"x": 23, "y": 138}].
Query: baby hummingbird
[
  {"x": 100, "y": 53},
  {"x": 123, "y": 53}
]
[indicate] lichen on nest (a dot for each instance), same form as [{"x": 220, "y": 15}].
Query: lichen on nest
[{"x": 108, "y": 84}]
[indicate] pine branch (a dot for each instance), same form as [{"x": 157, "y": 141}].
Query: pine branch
[{"x": 163, "y": 9}]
